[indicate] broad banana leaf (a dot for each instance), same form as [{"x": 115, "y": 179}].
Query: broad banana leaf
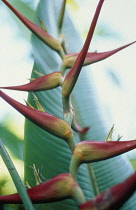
[{"x": 50, "y": 154}]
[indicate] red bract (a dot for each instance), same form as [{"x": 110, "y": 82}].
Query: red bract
[
  {"x": 92, "y": 151},
  {"x": 58, "y": 188},
  {"x": 45, "y": 121},
  {"x": 45, "y": 82},
  {"x": 114, "y": 197},
  {"x": 44, "y": 36},
  {"x": 91, "y": 57},
  {"x": 73, "y": 74}
]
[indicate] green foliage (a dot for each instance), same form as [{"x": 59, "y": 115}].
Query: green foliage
[{"x": 12, "y": 142}]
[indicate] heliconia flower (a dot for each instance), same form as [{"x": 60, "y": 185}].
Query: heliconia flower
[
  {"x": 45, "y": 82},
  {"x": 92, "y": 151},
  {"x": 72, "y": 76},
  {"x": 58, "y": 188},
  {"x": 113, "y": 198},
  {"x": 44, "y": 36},
  {"x": 45, "y": 121},
  {"x": 91, "y": 57}
]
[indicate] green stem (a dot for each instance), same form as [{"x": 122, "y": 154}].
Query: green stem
[
  {"x": 61, "y": 15},
  {"x": 93, "y": 179},
  {"x": 68, "y": 114},
  {"x": 15, "y": 177},
  {"x": 74, "y": 165},
  {"x": 61, "y": 53},
  {"x": 62, "y": 68},
  {"x": 78, "y": 195},
  {"x": 71, "y": 142}
]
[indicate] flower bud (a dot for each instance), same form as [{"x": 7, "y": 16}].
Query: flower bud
[
  {"x": 92, "y": 151},
  {"x": 91, "y": 57},
  {"x": 77, "y": 128},
  {"x": 45, "y": 82},
  {"x": 114, "y": 197},
  {"x": 58, "y": 188},
  {"x": 45, "y": 121},
  {"x": 44, "y": 36}
]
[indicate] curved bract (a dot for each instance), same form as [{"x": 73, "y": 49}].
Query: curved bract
[
  {"x": 57, "y": 188},
  {"x": 46, "y": 82},
  {"x": 45, "y": 121},
  {"x": 93, "y": 151}
]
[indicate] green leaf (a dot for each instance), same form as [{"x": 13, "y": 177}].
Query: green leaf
[
  {"x": 50, "y": 154},
  {"x": 12, "y": 141}
]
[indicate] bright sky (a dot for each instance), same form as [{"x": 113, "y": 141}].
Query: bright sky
[{"x": 120, "y": 16}]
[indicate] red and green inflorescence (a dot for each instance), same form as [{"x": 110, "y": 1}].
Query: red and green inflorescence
[{"x": 64, "y": 185}]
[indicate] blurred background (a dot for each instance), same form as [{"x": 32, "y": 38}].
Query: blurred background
[{"x": 114, "y": 77}]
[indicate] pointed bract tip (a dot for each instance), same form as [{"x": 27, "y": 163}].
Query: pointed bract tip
[
  {"x": 58, "y": 188},
  {"x": 46, "y": 82},
  {"x": 91, "y": 57},
  {"x": 92, "y": 151},
  {"x": 41, "y": 34},
  {"x": 73, "y": 74},
  {"x": 44, "y": 120}
]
